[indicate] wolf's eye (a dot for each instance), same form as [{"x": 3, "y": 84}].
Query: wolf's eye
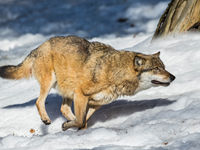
[{"x": 156, "y": 69}]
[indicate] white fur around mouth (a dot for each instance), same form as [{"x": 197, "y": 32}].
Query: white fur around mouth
[{"x": 160, "y": 83}]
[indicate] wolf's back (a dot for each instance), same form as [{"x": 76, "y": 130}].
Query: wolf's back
[{"x": 22, "y": 70}]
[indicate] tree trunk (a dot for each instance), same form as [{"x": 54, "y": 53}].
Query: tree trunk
[{"x": 180, "y": 16}]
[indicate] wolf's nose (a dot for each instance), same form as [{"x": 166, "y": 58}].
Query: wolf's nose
[{"x": 172, "y": 77}]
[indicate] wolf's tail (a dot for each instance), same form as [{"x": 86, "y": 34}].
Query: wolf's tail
[{"x": 23, "y": 70}]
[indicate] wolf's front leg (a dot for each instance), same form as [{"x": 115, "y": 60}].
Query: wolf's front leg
[
  {"x": 90, "y": 112},
  {"x": 80, "y": 107}
]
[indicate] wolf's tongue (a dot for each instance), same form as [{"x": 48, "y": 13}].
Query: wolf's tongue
[
  {"x": 161, "y": 83},
  {"x": 155, "y": 82}
]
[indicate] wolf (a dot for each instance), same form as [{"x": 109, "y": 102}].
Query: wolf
[{"x": 89, "y": 74}]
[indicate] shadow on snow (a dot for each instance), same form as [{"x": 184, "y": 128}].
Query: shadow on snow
[
  {"x": 124, "y": 108},
  {"x": 106, "y": 112}
]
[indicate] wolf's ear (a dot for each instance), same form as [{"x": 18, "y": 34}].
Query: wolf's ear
[
  {"x": 139, "y": 61},
  {"x": 157, "y": 54}
]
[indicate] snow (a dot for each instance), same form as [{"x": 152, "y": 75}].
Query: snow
[{"x": 156, "y": 119}]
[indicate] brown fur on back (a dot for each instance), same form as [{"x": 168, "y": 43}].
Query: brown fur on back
[{"x": 93, "y": 66}]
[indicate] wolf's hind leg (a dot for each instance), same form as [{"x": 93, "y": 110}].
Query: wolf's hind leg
[
  {"x": 66, "y": 109},
  {"x": 40, "y": 103},
  {"x": 46, "y": 82}
]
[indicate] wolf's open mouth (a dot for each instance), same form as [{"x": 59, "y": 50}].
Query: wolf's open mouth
[{"x": 160, "y": 83}]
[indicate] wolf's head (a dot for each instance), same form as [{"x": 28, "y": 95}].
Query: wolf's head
[{"x": 151, "y": 71}]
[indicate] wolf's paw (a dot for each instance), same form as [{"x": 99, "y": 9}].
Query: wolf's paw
[
  {"x": 66, "y": 125},
  {"x": 47, "y": 122}
]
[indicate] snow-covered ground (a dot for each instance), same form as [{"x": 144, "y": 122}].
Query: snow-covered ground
[{"x": 156, "y": 119}]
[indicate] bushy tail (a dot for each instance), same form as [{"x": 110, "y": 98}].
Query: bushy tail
[{"x": 23, "y": 70}]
